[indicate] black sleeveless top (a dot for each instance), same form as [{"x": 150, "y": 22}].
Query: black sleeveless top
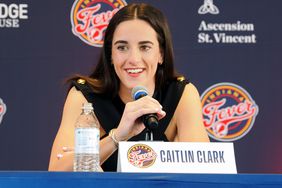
[{"x": 109, "y": 111}]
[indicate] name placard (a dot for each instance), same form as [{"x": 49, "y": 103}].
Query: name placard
[{"x": 176, "y": 157}]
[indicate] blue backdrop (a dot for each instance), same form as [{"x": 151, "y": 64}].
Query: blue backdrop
[{"x": 38, "y": 50}]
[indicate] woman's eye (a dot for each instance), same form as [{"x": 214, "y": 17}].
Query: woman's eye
[
  {"x": 145, "y": 48},
  {"x": 122, "y": 48}
]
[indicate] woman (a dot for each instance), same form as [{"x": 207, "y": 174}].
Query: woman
[{"x": 137, "y": 51}]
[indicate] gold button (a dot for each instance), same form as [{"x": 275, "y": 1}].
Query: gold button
[
  {"x": 81, "y": 81},
  {"x": 180, "y": 78}
]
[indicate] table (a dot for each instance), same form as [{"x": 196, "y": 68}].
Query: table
[{"x": 136, "y": 180}]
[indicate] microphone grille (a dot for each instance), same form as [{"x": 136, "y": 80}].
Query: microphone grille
[{"x": 138, "y": 92}]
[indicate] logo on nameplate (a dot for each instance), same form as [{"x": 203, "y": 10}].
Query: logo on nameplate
[
  {"x": 229, "y": 111},
  {"x": 141, "y": 156},
  {"x": 2, "y": 109},
  {"x": 90, "y": 18}
]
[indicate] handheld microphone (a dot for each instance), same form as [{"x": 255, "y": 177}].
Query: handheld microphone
[{"x": 150, "y": 120}]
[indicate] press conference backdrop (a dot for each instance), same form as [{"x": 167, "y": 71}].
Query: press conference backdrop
[{"x": 231, "y": 50}]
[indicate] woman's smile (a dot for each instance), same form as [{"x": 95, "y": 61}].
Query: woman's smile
[{"x": 134, "y": 72}]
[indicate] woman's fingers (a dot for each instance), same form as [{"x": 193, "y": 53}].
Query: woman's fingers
[
  {"x": 130, "y": 123},
  {"x": 161, "y": 114},
  {"x": 144, "y": 105},
  {"x": 147, "y": 100},
  {"x": 65, "y": 150}
]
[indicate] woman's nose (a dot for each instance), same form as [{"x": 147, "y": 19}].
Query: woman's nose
[{"x": 135, "y": 56}]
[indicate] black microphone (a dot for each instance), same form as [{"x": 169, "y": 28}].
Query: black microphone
[{"x": 150, "y": 120}]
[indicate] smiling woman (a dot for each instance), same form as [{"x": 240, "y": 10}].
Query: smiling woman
[
  {"x": 135, "y": 55},
  {"x": 137, "y": 51}
]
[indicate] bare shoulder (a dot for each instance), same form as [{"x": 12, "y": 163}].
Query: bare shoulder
[
  {"x": 189, "y": 101},
  {"x": 189, "y": 116},
  {"x": 74, "y": 100},
  {"x": 72, "y": 107},
  {"x": 190, "y": 96},
  {"x": 75, "y": 96},
  {"x": 190, "y": 90}
]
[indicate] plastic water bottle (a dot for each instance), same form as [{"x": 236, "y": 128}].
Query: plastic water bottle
[{"x": 87, "y": 137}]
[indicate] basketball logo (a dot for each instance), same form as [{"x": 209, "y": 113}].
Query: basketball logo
[
  {"x": 2, "y": 109},
  {"x": 229, "y": 111},
  {"x": 141, "y": 156},
  {"x": 90, "y": 19}
]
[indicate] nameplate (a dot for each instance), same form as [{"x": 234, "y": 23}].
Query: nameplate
[{"x": 176, "y": 157}]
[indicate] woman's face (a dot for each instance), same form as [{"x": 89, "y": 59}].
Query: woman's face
[{"x": 136, "y": 54}]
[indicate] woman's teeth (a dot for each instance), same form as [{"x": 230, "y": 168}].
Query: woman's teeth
[{"x": 134, "y": 71}]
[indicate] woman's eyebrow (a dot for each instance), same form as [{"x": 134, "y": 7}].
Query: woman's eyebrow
[
  {"x": 141, "y": 42},
  {"x": 146, "y": 42},
  {"x": 120, "y": 42}
]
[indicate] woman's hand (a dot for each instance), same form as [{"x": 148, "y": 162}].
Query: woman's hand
[
  {"x": 131, "y": 124},
  {"x": 68, "y": 152}
]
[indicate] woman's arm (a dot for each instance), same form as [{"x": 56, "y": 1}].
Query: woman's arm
[
  {"x": 189, "y": 118},
  {"x": 61, "y": 160},
  {"x": 62, "y": 154},
  {"x": 129, "y": 126}
]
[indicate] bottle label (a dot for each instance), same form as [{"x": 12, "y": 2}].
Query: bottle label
[{"x": 87, "y": 140}]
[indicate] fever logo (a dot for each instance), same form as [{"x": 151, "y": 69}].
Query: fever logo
[
  {"x": 141, "y": 156},
  {"x": 2, "y": 109},
  {"x": 229, "y": 112},
  {"x": 90, "y": 18}
]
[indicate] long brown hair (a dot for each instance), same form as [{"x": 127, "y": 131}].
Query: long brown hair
[{"x": 104, "y": 79}]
